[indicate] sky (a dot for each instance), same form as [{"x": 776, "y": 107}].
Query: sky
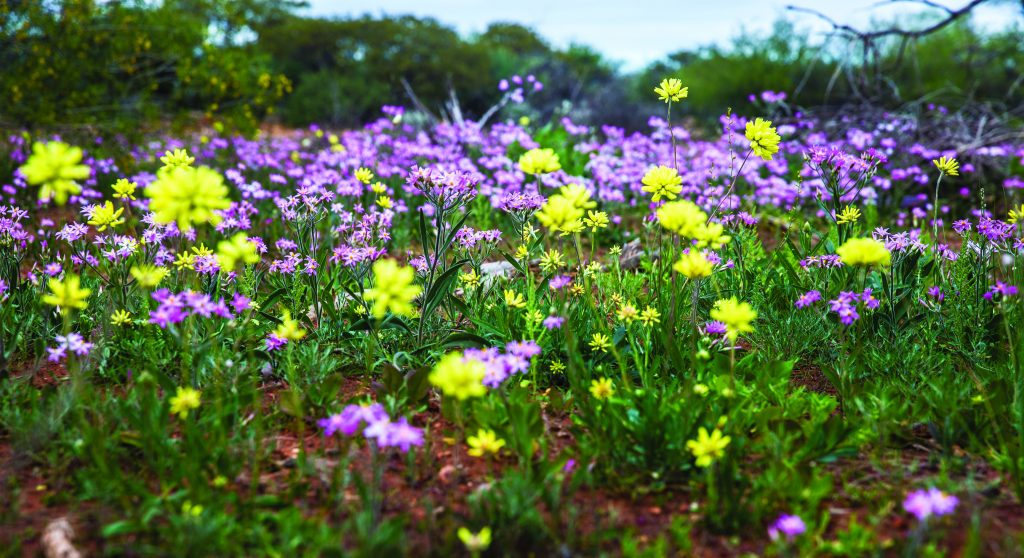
[{"x": 637, "y": 32}]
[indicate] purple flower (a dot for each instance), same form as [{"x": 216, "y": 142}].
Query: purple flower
[
  {"x": 936, "y": 293},
  {"x": 71, "y": 342},
  {"x": 715, "y": 328},
  {"x": 923, "y": 504},
  {"x": 553, "y": 322},
  {"x": 559, "y": 281},
  {"x": 400, "y": 434},
  {"x": 351, "y": 418},
  {"x": 807, "y": 299},
  {"x": 524, "y": 349},
  {"x": 1002, "y": 289},
  {"x": 791, "y": 526}
]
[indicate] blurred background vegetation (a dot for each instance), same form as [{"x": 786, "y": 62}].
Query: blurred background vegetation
[{"x": 109, "y": 66}]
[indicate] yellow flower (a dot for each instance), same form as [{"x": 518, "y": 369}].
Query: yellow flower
[
  {"x": 627, "y": 313},
  {"x": 693, "y": 265},
  {"x": 364, "y": 175},
  {"x": 184, "y": 400},
  {"x": 578, "y": 195},
  {"x": 650, "y": 316},
  {"x": 707, "y": 448},
  {"x": 103, "y": 216},
  {"x": 599, "y": 342},
  {"x": 459, "y": 378},
  {"x": 848, "y": 215},
  {"x": 947, "y": 165},
  {"x": 556, "y": 367},
  {"x": 378, "y": 188},
  {"x": 485, "y": 441},
  {"x": 576, "y": 289},
  {"x": 393, "y": 289},
  {"x": 602, "y": 388},
  {"x": 596, "y": 220},
  {"x": 121, "y": 318},
  {"x": 711, "y": 235},
  {"x": 671, "y": 90},
  {"x": 67, "y": 294},
  {"x": 55, "y": 166},
  {"x": 475, "y": 542},
  {"x": 187, "y": 195},
  {"x": 763, "y": 138},
  {"x": 551, "y": 261},
  {"x": 1016, "y": 214},
  {"x": 572, "y": 227},
  {"x": 514, "y": 299},
  {"x": 385, "y": 202},
  {"x": 185, "y": 260},
  {"x": 194, "y": 510},
  {"x": 559, "y": 213},
  {"x": 864, "y": 251},
  {"x": 471, "y": 280},
  {"x": 539, "y": 161},
  {"x": 202, "y": 251},
  {"x": 736, "y": 316},
  {"x": 239, "y": 248},
  {"x": 177, "y": 158},
  {"x": 148, "y": 275},
  {"x": 682, "y": 217},
  {"x": 288, "y": 328},
  {"x": 124, "y": 189},
  {"x": 662, "y": 182}
]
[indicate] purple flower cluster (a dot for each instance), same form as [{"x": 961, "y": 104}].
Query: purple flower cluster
[
  {"x": 826, "y": 261},
  {"x": 788, "y": 526},
  {"x": 515, "y": 360},
  {"x": 71, "y": 342},
  {"x": 1002, "y": 289},
  {"x": 923, "y": 504},
  {"x": 174, "y": 308},
  {"x": 845, "y": 305},
  {"x": 807, "y": 299},
  {"x": 376, "y": 425}
]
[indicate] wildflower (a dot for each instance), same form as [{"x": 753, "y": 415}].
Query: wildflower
[
  {"x": 559, "y": 213},
  {"x": 551, "y": 261},
  {"x": 736, "y": 316},
  {"x": 103, "y": 216},
  {"x": 187, "y": 195},
  {"x": 393, "y": 289},
  {"x": 711, "y": 235},
  {"x": 936, "y": 292},
  {"x": 1000, "y": 288},
  {"x": 864, "y": 251},
  {"x": 459, "y": 377},
  {"x": 947, "y": 165},
  {"x": 662, "y": 182},
  {"x": 378, "y": 188},
  {"x": 693, "y": 265},
  {"x": 923, "y": 504},
  {"x": 514, "y": 299},
  {"x": 185, "y": 260},
  {"x": 764, "y": 140},
  {"x": 289, "y": 329},
  {"x": 602, "y": 388},
  {"x": 364, "y": 175},
  {"x": 179, "y": 158},
  {"x": 190, "y": 509},
  {"x": 67, "y": 294},
  {"x": 682, "y": 217},
  {"x": 185, "y": 399},
  {"x": 385, "y": 202},
  {"x": 845, "y": 305},
  {"x": 599, "y": 342},
  {"x": 596, "y": 220},
  {"x": 671, "y": 90},
  {"x": 120, "y": 318},
  {"x": 848, "y": 215},
  {"x": 627, "y": 313},
  {"x": 71, "y": 342},
  {"x": 576, "y": 289},
  {"x": 553, "y": 322},
  {"x": 807, "y": 299},
  {"x": 238, "y": 248},
  {"x": 707, "y": 448},
  {"x": 55, "y": 166},
  {"x": 471, "y": 280},
  {"x": 790, "y": 526},
  {"x": 578, "y": 195},
  {"x": 475, "y": 542},
  {"x": 148, "y": 275},
  {"x": 701, "y": 390},
  {"x": 1016, "y": 214},
  {"x": 650, "y": 316},
  {"x": 539, "y": 161},
  {"x": 485, "y": 441},
  {"x": 556, "y": 367},
  {"x": 125, "y": 189}
]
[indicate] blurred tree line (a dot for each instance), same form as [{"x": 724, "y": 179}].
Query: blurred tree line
[{"x": 85, "y": 62}]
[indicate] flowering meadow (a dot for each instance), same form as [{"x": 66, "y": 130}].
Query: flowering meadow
[{"x": 791, "y": 336}]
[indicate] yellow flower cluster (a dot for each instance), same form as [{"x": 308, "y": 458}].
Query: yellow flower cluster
[
  {"x": 539, "y": 161},
  {"x": 764, "y": 140},
  {"x": 662, "y": 182},
  {"x": 55, "y": 166},
  {"x": 187, "y": 195},
  {"x": 671, "y": 90},
  {"x": 947, "y": 165},
  {"x": 864, "y": 251},
  {"x": 684, "y": 218},
  {"x": 458, "y": 377},
  {"x": 737, "y": 317},
  {"x": 67, "y": 294},
  {"x": 393, "y": 289},
  {"x": 693, "y": 265},
  {"x": 237, "y": 249}
]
